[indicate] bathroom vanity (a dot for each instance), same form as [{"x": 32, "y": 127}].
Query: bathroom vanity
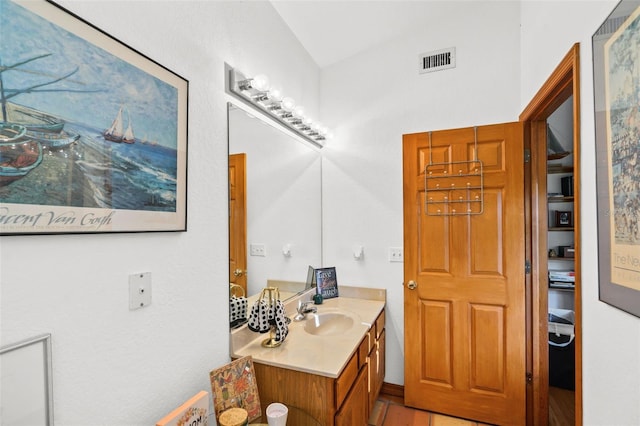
[{"x": 331, "y": 365}]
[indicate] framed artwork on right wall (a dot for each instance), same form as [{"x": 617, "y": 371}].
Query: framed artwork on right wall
[{"x": 616, "y": 71}]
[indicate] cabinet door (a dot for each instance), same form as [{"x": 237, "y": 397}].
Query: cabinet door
[
  {"x": 372, "y": 371},
  {"x": 376, "y": 367},
  {"x": 354, "y": 410},
  {"x": 380, "y": 351}
]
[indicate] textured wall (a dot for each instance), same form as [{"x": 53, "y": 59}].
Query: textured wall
[
  {"x": 113, "y": 366},
  {"x": 391, "y": 99}
]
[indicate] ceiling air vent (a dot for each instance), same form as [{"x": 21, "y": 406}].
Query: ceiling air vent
[{"x": 438, "y": 60}]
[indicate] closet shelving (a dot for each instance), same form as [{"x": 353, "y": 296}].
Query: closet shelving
[{"x": 561, "y": 232}]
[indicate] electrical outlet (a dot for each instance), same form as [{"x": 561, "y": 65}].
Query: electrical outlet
[
  {"x": 257, "y": 250},
  {"x": 396, "y": 254},
  {"x": 139, "y": 290}
]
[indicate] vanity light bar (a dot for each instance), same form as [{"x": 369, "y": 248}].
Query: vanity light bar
[{"x": 258, "y": 92}]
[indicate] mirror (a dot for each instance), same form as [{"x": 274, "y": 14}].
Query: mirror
[{"x": 275, "y": 187}]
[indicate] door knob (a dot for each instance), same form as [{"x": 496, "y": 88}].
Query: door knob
[
  {"x": 411, "y": 285},
  {"x": 238, "y": 272}
]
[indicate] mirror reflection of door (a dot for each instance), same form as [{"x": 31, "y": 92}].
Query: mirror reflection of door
[{"x": 237, "y": 223}]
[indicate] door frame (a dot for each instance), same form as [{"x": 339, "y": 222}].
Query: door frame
[{"x": 563, "y": 82}]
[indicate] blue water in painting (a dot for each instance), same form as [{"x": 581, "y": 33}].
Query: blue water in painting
[
  {"x": 140, "y": 176},
  {"x": 95, "y": 172}
]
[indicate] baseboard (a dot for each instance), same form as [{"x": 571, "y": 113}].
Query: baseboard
[{"x": 392, "y": 390}]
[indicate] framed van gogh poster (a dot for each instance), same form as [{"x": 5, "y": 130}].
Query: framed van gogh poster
[
  {"x": 616, "y": 69},
  {"x": 93, "y": 134}
]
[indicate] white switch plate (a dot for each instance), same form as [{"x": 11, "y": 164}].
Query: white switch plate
[
  {"x": 139, "y": 290},
  {"x": 396, "y": 254},
  {"x": 257, "y": 250}
]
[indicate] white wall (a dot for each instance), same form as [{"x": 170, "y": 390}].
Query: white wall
[
  {"x": 371, "y": 100},
  {"x": 611, "y": 338},
  {"x": 113, "y": 366}
]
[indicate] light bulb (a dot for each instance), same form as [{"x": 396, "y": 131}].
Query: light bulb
[
  {"x": 298, "y": 112},
  {"x": 261, "y": 83},
  {"x": 275, "y": 95},
  {"x": 288, "y": 104}
]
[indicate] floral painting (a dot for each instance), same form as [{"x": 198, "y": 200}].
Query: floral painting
[{"x": 234, "y": 386}]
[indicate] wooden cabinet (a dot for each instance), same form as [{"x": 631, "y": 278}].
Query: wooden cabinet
[
  {"x": 376, "y": 361},
  {"x": 355, "y": 410},
  {"x": 343, "y": 401}
]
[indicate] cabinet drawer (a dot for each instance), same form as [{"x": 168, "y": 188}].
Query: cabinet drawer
[
  {"x": 346, "y": 379},
  {"x": 380, "y": 324}
]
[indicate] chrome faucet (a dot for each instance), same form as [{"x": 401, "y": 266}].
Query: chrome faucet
[{"x": 304, "y": 309}]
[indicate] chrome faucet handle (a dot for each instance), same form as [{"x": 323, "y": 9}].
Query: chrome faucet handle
[
  {"x": 302, "y": 306},
  {"x": 303, "y": 310}
]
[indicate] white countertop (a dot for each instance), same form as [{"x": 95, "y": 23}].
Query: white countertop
[{"x": 323, "y": 355}]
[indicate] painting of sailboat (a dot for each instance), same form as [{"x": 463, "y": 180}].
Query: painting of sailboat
[
  {"x": 70, "y": 99},
  {"x": 117, "y": 132}
]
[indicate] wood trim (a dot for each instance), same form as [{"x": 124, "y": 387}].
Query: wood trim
[
  {"x": 539, "y": 290},
  {"x": 392, "y": 390},
  {"x": 577, "y": 234},
  {"x": 555, "y": 90},
  {"x": 563, "y": 82},
  {"x": 528, "y": 277}
]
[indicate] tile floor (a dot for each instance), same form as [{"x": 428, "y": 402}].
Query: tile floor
[{"x": 392, "y": 413}]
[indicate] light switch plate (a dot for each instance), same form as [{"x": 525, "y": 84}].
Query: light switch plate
[
  {"x": 139, "y": 290},
  {"x": 396, "y": 254},
  {"x": 257, "y": 249}
]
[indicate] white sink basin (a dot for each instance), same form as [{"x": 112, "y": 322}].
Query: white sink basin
[{"x": 328, "y": 323}]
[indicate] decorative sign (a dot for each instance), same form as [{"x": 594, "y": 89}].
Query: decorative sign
[
  {"x": 327, "y": 282},
  {"x": 193, "y": 412}
]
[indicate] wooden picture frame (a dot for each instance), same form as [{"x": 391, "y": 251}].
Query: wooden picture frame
[
  {"x": 563, "y": 219},
  {"x": 615, "y": 57},
  {"x": 93, "y": 134}
]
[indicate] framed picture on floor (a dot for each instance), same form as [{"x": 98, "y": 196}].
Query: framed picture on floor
[
  {"x": 616, "y": 61},
  {"x": 93, "y": 134}
]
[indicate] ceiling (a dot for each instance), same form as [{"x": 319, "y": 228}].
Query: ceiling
[{"x": 333, "y": 30}]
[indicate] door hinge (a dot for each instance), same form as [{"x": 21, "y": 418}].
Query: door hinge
[
  {"x": 529, "y": 378},
  {"x": 527, "y": 267},
  {"x": 527, "y": 155}
]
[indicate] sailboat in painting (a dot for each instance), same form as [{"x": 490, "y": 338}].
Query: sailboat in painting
[{"x": 117, "y": 132}]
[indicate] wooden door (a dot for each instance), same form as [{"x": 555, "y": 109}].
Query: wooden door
[
  {"x": 465, "y": 318},
  {"x": 238, "y": 221}
]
